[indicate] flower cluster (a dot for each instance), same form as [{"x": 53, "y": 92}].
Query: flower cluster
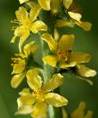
[{"x": 39, "y": 94}]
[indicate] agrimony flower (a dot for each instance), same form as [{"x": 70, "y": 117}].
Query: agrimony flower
[
  {"x": 62, "y": 55},
  {"x": 28, "y": 22},
  {"x": 36, "y": 103},
  {"x": 19, "y": 64}
]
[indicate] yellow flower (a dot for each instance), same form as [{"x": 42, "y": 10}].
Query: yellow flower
[
  {"x": 75, "y": 18},
  {"x": 20, "y": 64},
  {"x": 79, "y": 112},
  {"x": 28, "y": 23},
  {"x": 62, "y": 55},
  {"x": 36, "y": 103}
]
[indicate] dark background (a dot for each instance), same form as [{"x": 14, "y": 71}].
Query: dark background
[{"x": 74, "y": 89}]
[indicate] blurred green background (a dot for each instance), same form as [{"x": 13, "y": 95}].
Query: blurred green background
[{"x": 74, "y": 89}]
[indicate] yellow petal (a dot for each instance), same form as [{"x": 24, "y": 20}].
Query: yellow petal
[
  {"x": 50, "y": 60},
  {"x": 64, "y": 113},
  {"x": 79, "y": 112},
  {"x": 80, "y": 57},
  {"x": 21, "y": 14},
  {"x": 24, "y": 110},
  {"x": 50, "y": 41},
  {"x": 45, "y": 4},
  {"x": 29, "y": 48},
  {"x": 67, "y": 65},
  {"x": 85, "y": 71},
  {"x": 39, "y": 110},
  {"x": 33, "y": 79},
  {"x": 54, "y": 82},
  {"x": 18, "y": 66},
  {"x": 75, "y": 16},
  {"x": 26, "y": 100},
  {"x": 24, "y": 92},
  {"x": 16, "y": 80},
  {"x": 66, "y": 42},
  {"x": 23, "y": 1},
  {"x": 38, "y": 26},
  {"x": 64, "y": 23},
  {"x": 89, "y": 114},
  {"x": 34, "y": 12},
  {"x": 55, "y": 5},
  {"x": 55, "y": 100},
  {"x": 67, "y": 3},
  {"x": 84, "y": 25}
]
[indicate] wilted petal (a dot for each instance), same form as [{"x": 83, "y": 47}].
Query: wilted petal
[
  {"x": 40, "y": 110},
  {"x": 45, "y": 4},
  {"x": 50, "y": 60},
  {"x": 66, "y": 42},
  {"x": 33, "y": 79},
  {"x": 38, "y": 26},
  {"x": 54, "y": 82},
  {"x": 29, "y": 48},
  {"x": 84, "y": 71},
  {"x": 34, "y": 12},
  {"x": 23, "y": 1},
  {"x": 55, "y": 100},
  {"x": 67, "y": 3},
  {"x": 16, "y": 80},
  {"x": 80, "y": 57},
  {"x": 75, "y": 16},
  {"x": 84, "y": 25},
  {"x": 50, "y": 41}
]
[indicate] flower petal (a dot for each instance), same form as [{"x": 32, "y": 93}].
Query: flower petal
[
  {"x": 50, "y": 60},
  {"x": 80, "y": 57},
  {"x": 84, "y": 25},
  {"x": 24, "y": 110},
  {"x": 67, "y": 65},
  {"x": 45, "y": 4},
  {"x": 23, "y": 1},
  {"x": 16, "y": 80},
  {"x": 29, "y": 48},
  {"x": 34, "y": 12},
  {"x": 38, "y": 26},
  {"x": 66, "y": 42},
  {"x": 75, "y": 16},
  {"x": 21, "y": 14},
  {"x": 18, "y": 66},
  {"x": 54, "y": 82},
  {"x": 55, "y": 99},
  {"x": 84, "y": 71},
  {"x": 89, "y": 114},
  {"x": 55, "y": 5},
  {"x": 79, "y": 112},
  {"x": 50, "y": 41},
  {"x": 40, "y": 110},
  {"x": 64, "y": 23},
  {"x": 25, "y": 100},
  {"x": 33, "y": 79},
  {"x": 67, "y": 3}
]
